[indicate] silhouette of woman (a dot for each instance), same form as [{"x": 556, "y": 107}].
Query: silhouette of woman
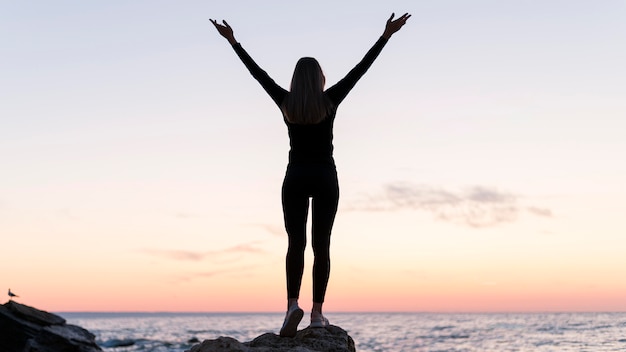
[{"x": 309, "y": 112}]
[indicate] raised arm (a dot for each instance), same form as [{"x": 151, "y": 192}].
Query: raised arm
[
  {"x": 225, "y": 30},
  {"x": 393, "y": 26},
  {"x": 340, "y": 90},
  {"x": 276, "y": 92}
]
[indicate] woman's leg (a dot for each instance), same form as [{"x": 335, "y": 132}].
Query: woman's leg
[
  {"x": 295, "y": 210},
  {"x": 325, "y": 202}
]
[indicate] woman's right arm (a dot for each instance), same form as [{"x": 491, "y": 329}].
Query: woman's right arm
[{"x": 276, "y": 92}]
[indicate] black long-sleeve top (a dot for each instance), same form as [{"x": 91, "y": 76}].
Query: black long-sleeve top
[{"x": 312, "y": 143}]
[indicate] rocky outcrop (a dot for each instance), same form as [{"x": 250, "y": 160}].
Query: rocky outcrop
[
  {"x": 27, "y": 329},
  {"x": 330, "y": 339}
]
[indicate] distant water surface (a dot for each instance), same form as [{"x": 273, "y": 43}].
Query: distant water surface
[{"x": 372, "y": 332}]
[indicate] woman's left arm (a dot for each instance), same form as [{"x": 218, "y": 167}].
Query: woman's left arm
[
  {"x": 340, "y": 90},
  {"x": 225, "y": 30}
]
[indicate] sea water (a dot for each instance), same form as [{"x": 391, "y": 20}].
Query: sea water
[{"x": 177, "y": 332}]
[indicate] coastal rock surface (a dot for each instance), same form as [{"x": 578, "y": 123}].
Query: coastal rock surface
[
  {"x": 330, "y": 339},
  {"x": 27, "y": 329}
]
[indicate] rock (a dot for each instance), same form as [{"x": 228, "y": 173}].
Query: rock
[
  {"x": 34, "y": 315},
  {"x": 330, "y": 339},
  {"x": 27, "y": 329}
]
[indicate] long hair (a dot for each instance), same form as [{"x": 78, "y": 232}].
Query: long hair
[{"x": 306, "y": 102}]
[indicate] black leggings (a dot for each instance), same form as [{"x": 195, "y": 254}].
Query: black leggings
[{"x": 319, "y": 182}]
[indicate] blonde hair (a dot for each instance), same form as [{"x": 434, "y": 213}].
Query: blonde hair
[{"x": 306, "y": 102}]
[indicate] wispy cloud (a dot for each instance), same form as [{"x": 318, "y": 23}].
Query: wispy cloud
[
  {"x": 540, "y": 211},
  {"x": 67, "y": 214},
  {"x": 241, "y": 271},
  {"x": 185, "y": 215},
  {"x": 175, "y": 254},
  {"x": 476, "y": 206},
  {"x": 188, "y": 255},
  {"x": 276, "y": 230}
]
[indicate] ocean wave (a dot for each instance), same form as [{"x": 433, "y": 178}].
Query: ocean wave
[
  {"x": 443, "y": 327},
  {"x": 372, "y": 332},
  {"x": 117, "y": 343}
]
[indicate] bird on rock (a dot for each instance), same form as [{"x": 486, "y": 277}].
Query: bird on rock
[{"x": 11, "y": 295}]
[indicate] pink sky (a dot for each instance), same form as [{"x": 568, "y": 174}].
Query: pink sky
[{"x": 480, "y": 158}]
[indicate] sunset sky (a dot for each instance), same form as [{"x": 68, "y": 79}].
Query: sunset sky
[{"x": 480, "y": 159}]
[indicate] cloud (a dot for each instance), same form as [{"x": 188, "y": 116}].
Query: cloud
[
  {"x": 177, "y": 254},
  {"x": 476, "y": 206},
  {"x": 540, "y": 211},
  {"x": 276, "y": 230},
  {"x": 67, "y": 214},
  {"x": 184, "y": 215},
  {"x": 194, "y": 256},
  {"x": 247, "y": 248},
  {"x": 240, "y": 271}
]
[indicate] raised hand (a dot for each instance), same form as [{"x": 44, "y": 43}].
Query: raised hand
[
  {"x": 394, "y": 25},
  {"x": 225, "y": 30}
]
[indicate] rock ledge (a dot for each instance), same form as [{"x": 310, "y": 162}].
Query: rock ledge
[
  {"x": 27, "y": 329},
  {"x": 330, "y": 339}
]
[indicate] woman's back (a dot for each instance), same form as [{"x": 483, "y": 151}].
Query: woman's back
[
  {"x": 312, "y": 142},
  {"x": 309, "y": 113}
]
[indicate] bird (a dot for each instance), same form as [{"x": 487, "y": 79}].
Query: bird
[{"x": 11, "y": 295}]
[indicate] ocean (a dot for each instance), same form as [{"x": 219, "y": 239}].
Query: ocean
[{"x": 372, "y": 332}]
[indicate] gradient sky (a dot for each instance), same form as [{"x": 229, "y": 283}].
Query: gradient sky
[{"x": 481, "y": 158}]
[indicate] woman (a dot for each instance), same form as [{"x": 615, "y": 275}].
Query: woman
[{"x": 309, "y": 112}]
